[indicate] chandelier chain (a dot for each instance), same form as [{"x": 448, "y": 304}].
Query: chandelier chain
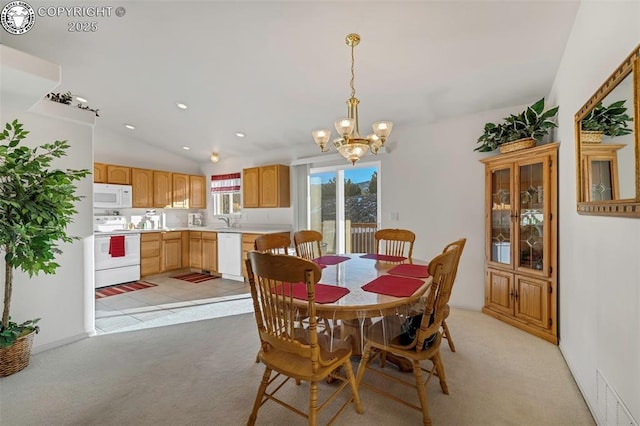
[{"x": 353, "y": 75}]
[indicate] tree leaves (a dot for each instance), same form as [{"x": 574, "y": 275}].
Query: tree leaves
[{"x": 36, "y": 205}]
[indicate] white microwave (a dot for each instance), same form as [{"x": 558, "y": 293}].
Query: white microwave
[{"x": 108, "y": 196}]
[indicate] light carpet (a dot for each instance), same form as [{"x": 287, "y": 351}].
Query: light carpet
[{"x": 203, "y": 373}]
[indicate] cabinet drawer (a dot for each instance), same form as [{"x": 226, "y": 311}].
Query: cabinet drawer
[
  {"x": 210, "y": 236},
  {"x": 195, "y": 234},
  {"x": 150, "y": 266},
  {"x": 175, "y": 235},
  {"x": 149, "y": 236},
  {"x": 149, "y": 249}
]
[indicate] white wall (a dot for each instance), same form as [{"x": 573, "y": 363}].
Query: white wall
[
  {"x": 599, "y": 273},
  {"x": 116, "y": 148},
  {"x": 65, "y": 300}
]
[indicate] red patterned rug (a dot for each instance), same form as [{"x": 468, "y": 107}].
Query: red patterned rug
[
  {"x": 122, "y": 288},
  {"x": 196, "y": 277}
]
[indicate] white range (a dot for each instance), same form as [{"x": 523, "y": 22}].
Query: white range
[{"x": 115, "y": 262}]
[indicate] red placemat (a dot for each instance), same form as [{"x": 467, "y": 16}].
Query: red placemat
[
  {"x": 418, "y": 271},
  {"x": 330, "y": 260},
  {"x": 392, "y": 285},
  {"x": 385, "y": 257},
  {"x": 324, "y": 293}
]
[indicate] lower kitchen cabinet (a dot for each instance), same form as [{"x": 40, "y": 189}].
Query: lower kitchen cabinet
[
  {"x": 171, "y": 250},
  {"x": 150, "y": 259},
  {"x": 210, "y": 251},
  {"x": 195, "y": 249}
]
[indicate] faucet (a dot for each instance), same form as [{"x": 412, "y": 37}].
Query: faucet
[{"x": 226, "y": 220}]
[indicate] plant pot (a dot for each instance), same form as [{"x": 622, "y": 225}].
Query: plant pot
[
  {"x": 16, "y": 357},
  {"x": 589, "y": 136},
  {"x": 517, "y": 145}
]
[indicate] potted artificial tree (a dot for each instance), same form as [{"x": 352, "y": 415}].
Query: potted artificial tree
[
  {"x": 518, "y": 131},
  {"x": 36, "y": 205},
  {"x": 610, "y": 121}
]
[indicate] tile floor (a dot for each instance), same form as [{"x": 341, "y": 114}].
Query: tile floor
[{"x": 172, "y": 301}]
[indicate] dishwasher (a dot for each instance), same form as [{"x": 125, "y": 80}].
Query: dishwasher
[{"x": 230, "y": 255}]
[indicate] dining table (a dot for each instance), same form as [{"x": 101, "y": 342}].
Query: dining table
[{"x": 356, "y": 288}]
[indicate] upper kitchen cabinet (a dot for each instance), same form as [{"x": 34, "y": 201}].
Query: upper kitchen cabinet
[
  {"x": 99, "y": 173},
  {"x": 180, "y": 191},
  {"x": 118, "y": 175},
  {"x": 251, "y": 187},
  {"x": 197, "y": 192},
  {"x": 109, "y": 173},
  {"x": 142, "y": 185},
  {"x": 162, "y": 189},
  {"x": 266, "y": 186}
]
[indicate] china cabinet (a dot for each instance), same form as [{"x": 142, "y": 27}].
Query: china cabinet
[{"x": 521, "y": 239}]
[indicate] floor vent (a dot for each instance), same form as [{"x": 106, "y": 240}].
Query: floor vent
[{"x": 611, "y": 409}]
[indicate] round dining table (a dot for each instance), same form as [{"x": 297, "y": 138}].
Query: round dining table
[
  {"x": 352, "y": 312},
  {"x": 353, "y": 273}
]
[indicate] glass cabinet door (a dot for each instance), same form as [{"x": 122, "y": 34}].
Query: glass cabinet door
[
  {"x": 501, "y": 215},
  {"x": 531, "y": 221}
]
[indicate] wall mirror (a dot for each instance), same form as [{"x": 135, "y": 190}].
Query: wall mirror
[{"x": 607, "y": 130}]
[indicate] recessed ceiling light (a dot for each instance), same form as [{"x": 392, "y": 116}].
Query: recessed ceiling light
[
  {"x": 130, "y": 126},
  {"x": 181, "y": 105},
  {"x": 186, "y": 148},
  {"x": 240, "y": 134},
  {"x": 80, "y": 99}
]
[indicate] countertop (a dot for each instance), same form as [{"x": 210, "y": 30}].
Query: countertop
[{"x": 246, "y": 229}]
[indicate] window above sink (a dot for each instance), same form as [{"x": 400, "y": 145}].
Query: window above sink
[{"x": 226, "y": 194}]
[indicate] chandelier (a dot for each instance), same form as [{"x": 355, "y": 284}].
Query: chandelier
[{"x": 350, "y": 144}]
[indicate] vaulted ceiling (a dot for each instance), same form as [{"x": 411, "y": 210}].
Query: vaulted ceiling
[{"x": 277, "y": 70}]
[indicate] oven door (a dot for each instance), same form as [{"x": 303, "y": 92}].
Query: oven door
[{"x": 103, "y": 260}]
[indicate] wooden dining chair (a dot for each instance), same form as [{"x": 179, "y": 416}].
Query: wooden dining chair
[
  {"x": 390, "y": 335},
  {"x": 273, "y": 243},
  {"x": 395, "y": 242},
  {"x": 459, "y": 244},
  {"x": 307, "y": 244},
  {"x": 286, "y": 349}
]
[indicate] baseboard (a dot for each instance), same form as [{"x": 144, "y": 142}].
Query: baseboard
[
  {"x": 62, "y": 342},
  {"x": 581, "y": 387}
]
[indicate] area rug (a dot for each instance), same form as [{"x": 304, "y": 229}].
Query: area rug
[
  {"x": 196, "y": 277},
  {"x": 122, "y": 288}
]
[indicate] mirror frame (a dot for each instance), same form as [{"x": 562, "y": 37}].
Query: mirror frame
[{"x": 628, "y": 207}]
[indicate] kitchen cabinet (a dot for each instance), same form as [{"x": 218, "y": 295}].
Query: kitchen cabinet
[
  {"x": 109, "y": 173},
  {"x": 162, "y": 187},
  {"x": 521, "y": 236},
  {"x": 142, "y": 188},
  {"x": 171, "y": 250},
  {"x": 195, "y": 249},
  {"x": 266, "y": 186},
  {"x": 197, "y": 192},
  {"x": 230, "y": 255},
  {"x": 118, "y": 175},
  {"x": 180, "y": 191},
  {"x": 203, "y": 251},
  {"x": 150, "y": 258},
  {"x": 210, "y": 251},
  {"x": 99, "y": 173},
  {"x": 251, "y": 187}
]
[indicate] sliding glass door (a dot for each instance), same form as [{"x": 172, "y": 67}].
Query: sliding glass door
[{"x": 344, "y": 206}]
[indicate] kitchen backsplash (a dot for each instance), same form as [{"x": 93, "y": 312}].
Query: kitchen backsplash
[{"x": 174, "y": 218}]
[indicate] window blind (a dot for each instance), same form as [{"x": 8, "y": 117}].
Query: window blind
[{"x": 221, "y": 184}]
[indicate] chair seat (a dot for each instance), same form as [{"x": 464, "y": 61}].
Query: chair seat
[
  {"x": 384, "y": 334},
  {"x": 299, "y": 367}
]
